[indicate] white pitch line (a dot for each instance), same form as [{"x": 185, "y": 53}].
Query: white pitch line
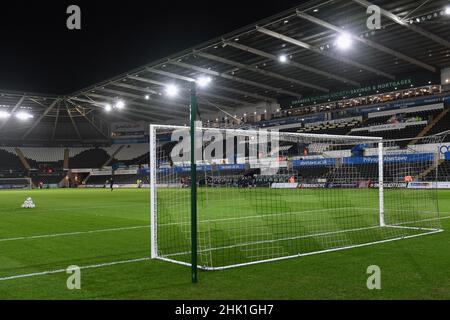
[
  {"x": 71, "y": 233},
  {"x": 264, "y": 215},
  {"x": 43, "y": 210},
  {"x": 54, "y": 235},
  {"x": 100, "y": 265}
]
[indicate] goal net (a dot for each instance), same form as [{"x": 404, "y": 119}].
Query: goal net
[
  {"x": 15, "y": 183},
  {"x": 266, "y": 195}
]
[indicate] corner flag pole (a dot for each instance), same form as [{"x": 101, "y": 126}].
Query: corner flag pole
[{"x": 193, "y": 184}]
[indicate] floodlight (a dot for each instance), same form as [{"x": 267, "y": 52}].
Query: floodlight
[
  {"x": 171, "y": 90},
  {"x": 283, "y": 58},
  {"x": 447, "y": 11},
  {"x": 120, "y": 105},
  {"x": 344, "y": 41},
  {"x": 24, "y": 116},
  {"x": 108, "y": 107},
  {"x": 147, "y": 97},
  {"x": 4, "y": 114},
  {"x": 203, "y": 81}
]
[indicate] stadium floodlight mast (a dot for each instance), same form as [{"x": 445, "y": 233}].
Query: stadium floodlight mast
[
  {"x": 4, "y": 114},
  {"x": 283, "y": 58},
  {"x": 119, "y": 105},
  {"x": 172, "y": 90},
  {"x": 23, "y": 116},
  {"x": 344, "y": 41}
]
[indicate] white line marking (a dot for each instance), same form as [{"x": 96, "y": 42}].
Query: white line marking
[
  {"x": 263, "y": 215},
  {"x": 43, "y": 210},
  {"x": 71, "y": 233},
  {"x": 100, "y": 265},
  {"x": 275, "y": 240}
]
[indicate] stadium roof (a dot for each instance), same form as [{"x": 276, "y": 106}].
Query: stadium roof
[{"x": 246, "y": 69}]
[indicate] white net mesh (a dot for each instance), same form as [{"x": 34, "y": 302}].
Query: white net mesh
[{"x": 295, "y": 195}]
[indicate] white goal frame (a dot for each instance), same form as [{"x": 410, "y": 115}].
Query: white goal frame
[
  {"x": 381, "y": 200},
  {"x": 29, "y": 181}
]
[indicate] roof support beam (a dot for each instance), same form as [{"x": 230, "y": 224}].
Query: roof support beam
[
  {"x": 145, "y": 80},
  {"x": 367, "y": 42},
  {"x": 407, "y": 25},
  {"x": 73, "y": 123},
  {"x": 260, "y": 71},
  {"x": 151, "y": 113},
  {"x": 244, "y": 93},
  {"x": 291, "y": 63},
  {"x": 200, "y": 92},
  {"x": 233, "y": 78},
  {"x": 133, "y": 112},
  {"x": 237, "y": 101},
  {"x": 55, "y": 124},
  {"x": 324, "y": 53},
  {"x": 83, "y": 114},
  {"x": 17, "y": 106},
  {"x": 132, "y": 87},
  {"x": 134, "y": 96},
  {"x": 50, "y": 108}
]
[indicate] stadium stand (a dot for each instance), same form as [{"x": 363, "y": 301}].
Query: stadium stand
[
  {"x": 9, "y": 160},
  {"x": 442, "y": 125},
  {"x": 443, "y": 172},
  {"x": 91, "y": 158}
]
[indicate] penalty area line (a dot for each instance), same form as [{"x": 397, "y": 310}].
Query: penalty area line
[
  {"x": 54, "y": 235},
  {"x": 100, "y": 265}
]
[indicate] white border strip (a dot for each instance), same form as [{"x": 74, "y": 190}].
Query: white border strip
[
  {"x": 100, "y": 265},
  {"x": 71, "y": 233},
  {"x": 303, "y": 254}
]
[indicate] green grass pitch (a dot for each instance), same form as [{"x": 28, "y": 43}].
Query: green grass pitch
[{"x": 95, "y": 227}]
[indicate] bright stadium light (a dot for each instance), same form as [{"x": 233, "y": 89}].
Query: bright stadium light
[
  {"x": 283, "y": 58},
  {"x": 447, "y": 11},
  {"x": 344, "y": 41},
  {"x": 108, "y": 107},
  {"x": 171, "y": 90},
  {"x": 4, "y": 115},
  {"x": 147, "y": 97},
  {"x": 24, "y": 116},
  {"x": 204, "y": 81},
  {"x": 120, "y": 105}
]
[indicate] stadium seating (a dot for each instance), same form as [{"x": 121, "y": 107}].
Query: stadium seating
[
  {"x": 442, "y": 125},
  {"x": 9, "y": 160},
  {"x": 92, "y": 158},
  {"x": 443, "y": 172}
]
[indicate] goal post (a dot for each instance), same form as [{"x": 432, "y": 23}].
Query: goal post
[
  {"x": 16, "y": 183},
  {"x": 381, "y": 182},
  {"x": 265, "y": 195}
]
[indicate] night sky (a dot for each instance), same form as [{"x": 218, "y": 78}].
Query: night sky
[{"x": 39, "y": 54}]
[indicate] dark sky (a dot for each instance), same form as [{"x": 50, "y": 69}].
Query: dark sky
[{"x": 39, "y": 54}]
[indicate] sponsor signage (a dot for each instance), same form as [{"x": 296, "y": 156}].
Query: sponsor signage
[
  {"x": 202, "y": 167},
  {"x": 312, "y": 185},
  {"x": 406, "y": 109},
  {"x": 314, "y": 162},
  {"x": 128, "y": 130},
  {"x": 391, "y": 126},
  {"x": 335, "y": 121},
  {"x": 365, "y": 90},
  {"x": 277, "y": 185},
  {"x": 415, "y": 157}
]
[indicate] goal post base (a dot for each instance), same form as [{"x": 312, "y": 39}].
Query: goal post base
[{"x": 428, "y": 231}]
